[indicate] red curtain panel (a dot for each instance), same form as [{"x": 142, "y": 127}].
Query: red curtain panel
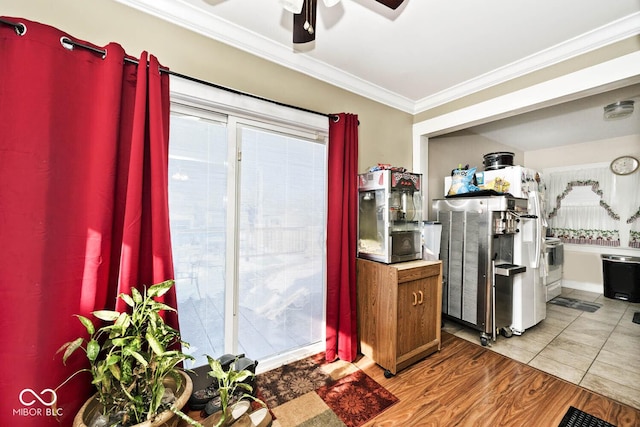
[
  {"x": 83, "y": 205},
  {"x": 342, "y": 229}
]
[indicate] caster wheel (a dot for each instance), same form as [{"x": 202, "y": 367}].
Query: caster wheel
[
  {"x": 484, "y": 341},
  {"x": 506, "y": 332},
  {"x": 388, "y": 374}
]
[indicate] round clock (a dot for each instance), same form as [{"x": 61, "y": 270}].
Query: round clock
[{"x": 624, "y": 165}]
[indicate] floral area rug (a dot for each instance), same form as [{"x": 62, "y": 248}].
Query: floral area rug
[{"x": 314, "y": 393}]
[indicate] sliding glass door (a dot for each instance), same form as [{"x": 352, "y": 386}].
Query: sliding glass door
[
  {"x": 281, "y": 242},
  {"x": 247, "y": 210}
]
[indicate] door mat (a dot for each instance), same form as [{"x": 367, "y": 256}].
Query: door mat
[
  {"x": 304, "y": 394},
  {"x": 577, "y": 418},
  {"x": 293, "y": 380},
  {"x": 576, "y": 303},
  {"x": 636, "y": 317}
]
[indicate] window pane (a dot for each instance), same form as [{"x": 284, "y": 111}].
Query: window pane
[
  {"x": 281, "y": 243},
  {"x": 197, "y": 193}
]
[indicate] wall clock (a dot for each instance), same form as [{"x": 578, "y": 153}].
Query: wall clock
[{"x": 624, "y": 165}]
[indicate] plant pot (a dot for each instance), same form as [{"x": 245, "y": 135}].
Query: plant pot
[{"x": 163, "y": 419}]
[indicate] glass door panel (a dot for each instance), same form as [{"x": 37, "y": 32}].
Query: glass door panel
[
  {"x": 281, "y": 241},
  {"x": 197, "y": 195}
]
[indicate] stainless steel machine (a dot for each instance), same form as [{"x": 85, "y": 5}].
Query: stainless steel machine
[
  {"x": 390, "y": 216},
  {"x": 476, "y": 250}
]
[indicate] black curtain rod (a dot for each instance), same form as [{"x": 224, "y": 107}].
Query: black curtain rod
[{"x": 21, "y": 29}]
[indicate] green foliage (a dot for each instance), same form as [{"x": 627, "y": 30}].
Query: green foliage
[
  {"x": 131, "y": 355},
  {"x": 229, "y": 383}
]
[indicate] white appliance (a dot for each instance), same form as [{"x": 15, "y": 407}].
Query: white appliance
[
  {"x": 529, "y": 293},
  {"x": 554, "y": 260}
]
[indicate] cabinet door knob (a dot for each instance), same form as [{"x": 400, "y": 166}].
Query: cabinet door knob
[
  {"x": 421, "y": 297},
  {"x": 415, "y": 299}
]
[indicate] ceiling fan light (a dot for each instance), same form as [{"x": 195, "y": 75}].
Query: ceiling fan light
[
  {"x": 293, "y": 6},
  {"x": 330, "y": 3},
  {"x": 618, "y": 110}
]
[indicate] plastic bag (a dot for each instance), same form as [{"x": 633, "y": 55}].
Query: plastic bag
[
  {"x": 498, "y": 184},
  {"x": 462, "y": 181}
]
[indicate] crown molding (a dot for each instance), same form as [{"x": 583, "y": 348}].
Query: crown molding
[
  {"x": 621, "y": 70},
  {"x": 608, "y": 34},
  {"x": 185, "y": 15}
]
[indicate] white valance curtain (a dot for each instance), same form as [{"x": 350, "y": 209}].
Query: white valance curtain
[
  {"x": 580, "y": 206},
  {"x": 634, "y": 217}
]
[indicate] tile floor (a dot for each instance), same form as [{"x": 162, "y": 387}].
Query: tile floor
[{"x": 599, "y": 351}]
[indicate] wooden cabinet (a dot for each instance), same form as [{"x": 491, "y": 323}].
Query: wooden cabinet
[{"x": 399, "y": 311}]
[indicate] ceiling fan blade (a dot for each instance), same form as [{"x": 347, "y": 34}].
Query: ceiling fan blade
[
  {"x": 293, "y": 6},
  {"x": 304, "y": 23},
  {"x": 393, "y": 4}
]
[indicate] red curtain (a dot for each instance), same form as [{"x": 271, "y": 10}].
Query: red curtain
[
  {"x": 342, "y": 229},
  {"x": 83, "y": 205}
]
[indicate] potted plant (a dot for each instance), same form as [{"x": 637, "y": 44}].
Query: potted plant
[
  {"x": 133, "y": 363},
  {"x": 234, "y": 386}
]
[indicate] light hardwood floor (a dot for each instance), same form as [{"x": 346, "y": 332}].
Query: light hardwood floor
[
  {"x": 599, "y": 351},
  {"x": 466, "y": 384}
]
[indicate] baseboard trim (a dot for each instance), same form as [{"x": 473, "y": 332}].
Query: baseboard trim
[
  {"x": 583, "y": 286},
  {"x": 291, "y": 356}
]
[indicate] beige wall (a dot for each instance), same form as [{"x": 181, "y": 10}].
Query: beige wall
[
  {"x": 385, "y": 133},
  {"x": 583, "y": 268},
  {"x": 585, "y": 153},
  {"x": 463, "y": 147}
]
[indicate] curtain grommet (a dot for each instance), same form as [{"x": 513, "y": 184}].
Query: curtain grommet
[
  {"x": 66, "y": 43},
  {"x": 20, "y": 28}
]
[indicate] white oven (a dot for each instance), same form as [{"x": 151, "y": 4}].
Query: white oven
[{"x": 554, "y": 260}]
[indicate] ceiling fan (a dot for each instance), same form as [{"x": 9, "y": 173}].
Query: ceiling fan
[{"x": 304, "y": 16}]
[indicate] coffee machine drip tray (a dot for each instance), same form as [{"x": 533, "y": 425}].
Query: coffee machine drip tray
[{"x": 509, "y": 269}]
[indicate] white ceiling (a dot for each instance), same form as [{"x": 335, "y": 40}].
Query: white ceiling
[
  {"x": 568, "y": 123},
  {"x": 423, "y": 54}
]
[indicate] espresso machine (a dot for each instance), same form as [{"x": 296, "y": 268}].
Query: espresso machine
[
  {"x": 476, "y": 250},
  {"x": 390, "y": 216}
]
